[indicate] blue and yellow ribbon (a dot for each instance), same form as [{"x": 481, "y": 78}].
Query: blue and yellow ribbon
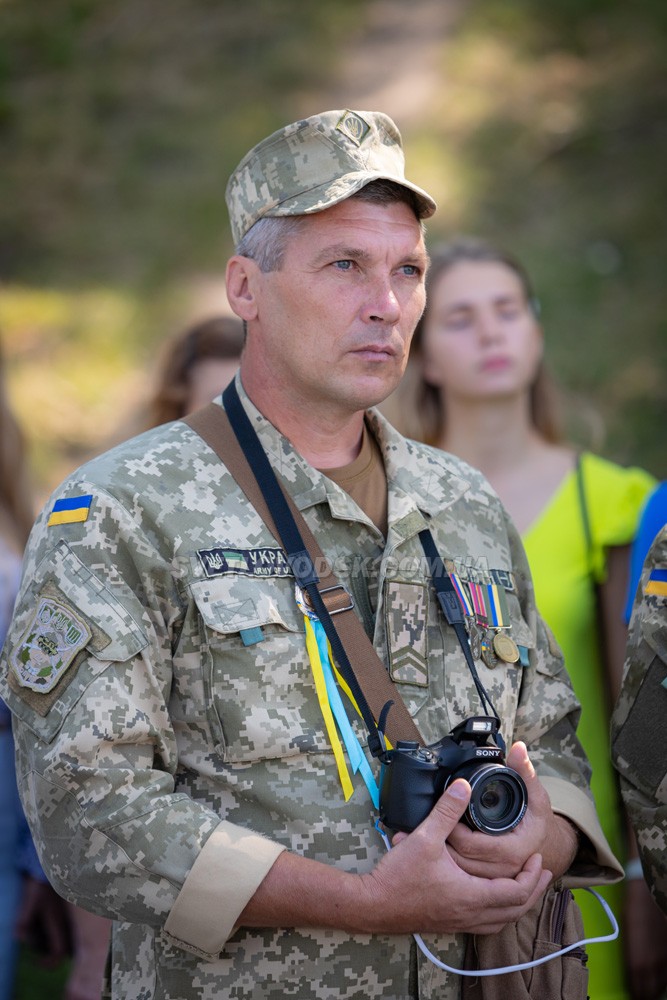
[{"x": 325, "y": 675}]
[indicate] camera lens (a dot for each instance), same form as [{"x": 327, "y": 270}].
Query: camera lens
[{"x": 498, "y": 800}]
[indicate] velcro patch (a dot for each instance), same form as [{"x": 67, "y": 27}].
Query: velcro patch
[
  {"x": 70, "y": 510},
  {"x": 48, "y": 646},
  {"x": 248, "y": 562},
  {"x": 656, "y": 585}
]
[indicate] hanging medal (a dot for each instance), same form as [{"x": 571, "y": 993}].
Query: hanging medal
[
  {"x": 478, "y": 598},
  {"x": 472, "y": 627},
  {"x": 501, "y": 642}
]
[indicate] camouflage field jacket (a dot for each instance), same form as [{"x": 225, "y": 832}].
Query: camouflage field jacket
[
  {"x": 170, "y": 742},
  {"x": 639, "y": 750}
]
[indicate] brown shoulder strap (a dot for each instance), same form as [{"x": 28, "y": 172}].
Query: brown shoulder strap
[{"x": 213, "y": 426}]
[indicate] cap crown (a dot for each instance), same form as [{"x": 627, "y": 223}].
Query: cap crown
[{"x": 314, "y": 163}]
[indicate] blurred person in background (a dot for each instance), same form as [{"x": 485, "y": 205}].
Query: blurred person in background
[
  {"x": 16, "y": 517},
  {"x": 639, "y": 756},
  {"x": 31, "y": 912},
  {"x": 477, "y": 387},
  {"x": 194, "y": 367},
  {"x": 653, "y": 519}
]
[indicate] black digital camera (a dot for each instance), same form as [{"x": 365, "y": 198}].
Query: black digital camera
[{"x": 414, "y": 778}]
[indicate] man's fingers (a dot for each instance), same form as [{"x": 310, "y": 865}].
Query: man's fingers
[{"x": 449, "y": 808}]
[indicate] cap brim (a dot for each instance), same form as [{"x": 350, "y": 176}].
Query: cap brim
[{"x": 324, "y": 196}]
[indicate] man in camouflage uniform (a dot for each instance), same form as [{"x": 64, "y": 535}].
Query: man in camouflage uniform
[
  {"x": 639, "y": 749},
  {"x": 173, "y": 757}
]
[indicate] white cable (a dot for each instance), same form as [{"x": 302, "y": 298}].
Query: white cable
[{"x": 523, "y": 965}]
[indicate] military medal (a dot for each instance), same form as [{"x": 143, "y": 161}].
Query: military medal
[
  {"x": 474, "y": 637},
  {"x": 489, "y": 654},
  {"x": 471, "y": 624},
  {"x": 505, "y": 647}
]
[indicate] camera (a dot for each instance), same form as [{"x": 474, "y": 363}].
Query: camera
[{"x": 414, "y": 777}]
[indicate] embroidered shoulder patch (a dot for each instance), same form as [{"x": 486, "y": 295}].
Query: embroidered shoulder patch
[
  {"x": 71, "y": 510},
  {"x": 248, "y": 562},
  {"x": 657, "y": 583},
  {"x": 48, "y": 646}
]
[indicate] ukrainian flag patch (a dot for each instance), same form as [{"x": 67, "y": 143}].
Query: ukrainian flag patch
[
  {"x": 657, "y": 583},
  {"x": 70, "y": 510}
]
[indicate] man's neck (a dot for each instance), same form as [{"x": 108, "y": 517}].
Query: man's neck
[{"x": 326, "y": 439}]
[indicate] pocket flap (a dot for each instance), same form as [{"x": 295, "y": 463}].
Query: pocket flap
[
  {"x": 122, "y": 638},
  {"x": 234, "y": 603}
]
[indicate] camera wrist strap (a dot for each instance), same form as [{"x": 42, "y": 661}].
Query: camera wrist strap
[{"x": 231, "y": 435}]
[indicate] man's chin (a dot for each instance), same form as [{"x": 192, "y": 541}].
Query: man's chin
[{"x": 372, "y": 389}]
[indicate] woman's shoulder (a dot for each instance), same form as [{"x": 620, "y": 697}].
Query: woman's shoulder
[
  {"x": 601, "y": 474},
  {"x": 615, "y": 495}
]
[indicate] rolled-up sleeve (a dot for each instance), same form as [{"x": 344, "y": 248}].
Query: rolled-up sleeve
[{"x": 222, "y": 880}]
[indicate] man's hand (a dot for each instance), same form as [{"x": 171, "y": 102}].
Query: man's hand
[
  {"x": 433, "y": 890},
  {"x": 416, "y": 887},
  {"x": 540, "y": 831}
]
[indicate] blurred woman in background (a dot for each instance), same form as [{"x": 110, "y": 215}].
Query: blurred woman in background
[
  {"x": 194, "y": 367},
  {"x": 477, "y": 386}
]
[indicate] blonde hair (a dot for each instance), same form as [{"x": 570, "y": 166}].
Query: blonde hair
[
  {"x": 418, "y": 409},
  {"x": 217, "y": 337}
]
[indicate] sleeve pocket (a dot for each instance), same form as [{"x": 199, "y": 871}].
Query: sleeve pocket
[{"x": 67, "y": 628}]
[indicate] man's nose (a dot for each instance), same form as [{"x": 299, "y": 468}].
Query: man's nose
[{"x": 382, "y": 304}]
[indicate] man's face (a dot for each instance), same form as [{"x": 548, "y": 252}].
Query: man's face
[{"x": 333, "y": 325}]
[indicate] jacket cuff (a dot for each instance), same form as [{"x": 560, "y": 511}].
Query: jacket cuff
[
  {"x": 224, "y": 877},
  {"x": 594, "y": 863}
]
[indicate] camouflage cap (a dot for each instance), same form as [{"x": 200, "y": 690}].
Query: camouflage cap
[{"x": 315, "y": 163}]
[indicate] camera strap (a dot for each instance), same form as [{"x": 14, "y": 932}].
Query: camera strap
[
  {"x": 451, "y": 607},
  {"x": 232, "y": 437}
]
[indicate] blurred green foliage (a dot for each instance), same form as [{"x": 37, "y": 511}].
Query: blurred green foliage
[{"x": 119, "y": 124}]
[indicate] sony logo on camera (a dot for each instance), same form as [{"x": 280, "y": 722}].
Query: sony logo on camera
[{"x": 482, "y": 752}]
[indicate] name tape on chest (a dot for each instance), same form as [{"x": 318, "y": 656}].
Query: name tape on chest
[{"x": 263, "y": 562}]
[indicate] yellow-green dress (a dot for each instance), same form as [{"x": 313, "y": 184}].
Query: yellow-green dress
[{"x": 562, "y": 562}]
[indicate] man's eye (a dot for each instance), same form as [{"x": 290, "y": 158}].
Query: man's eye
[
  {"x": 411, "y": 270},
  {"x": 343, "y": 265}
]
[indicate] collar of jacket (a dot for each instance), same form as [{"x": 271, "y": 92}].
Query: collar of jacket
[{"x": 421, "y": 480}]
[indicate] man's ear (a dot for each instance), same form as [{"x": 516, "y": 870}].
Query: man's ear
[{"x": 241, "y": 277}]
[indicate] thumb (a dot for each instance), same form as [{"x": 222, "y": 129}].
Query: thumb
[
  {"x": 450, "y": 807},
  {"x": 518, "y": 759}
]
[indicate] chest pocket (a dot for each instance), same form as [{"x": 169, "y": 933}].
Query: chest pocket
[{"x": 258, "y": 684}]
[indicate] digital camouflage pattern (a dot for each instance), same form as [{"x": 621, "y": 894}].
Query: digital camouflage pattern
[
  {"x": 183, "y": 748},
  {"x": 282, "y": 174},
  {"x": 639, "y": 749}
]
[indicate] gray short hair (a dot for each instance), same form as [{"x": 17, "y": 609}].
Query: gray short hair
[{"x": 266, "y": 241}]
